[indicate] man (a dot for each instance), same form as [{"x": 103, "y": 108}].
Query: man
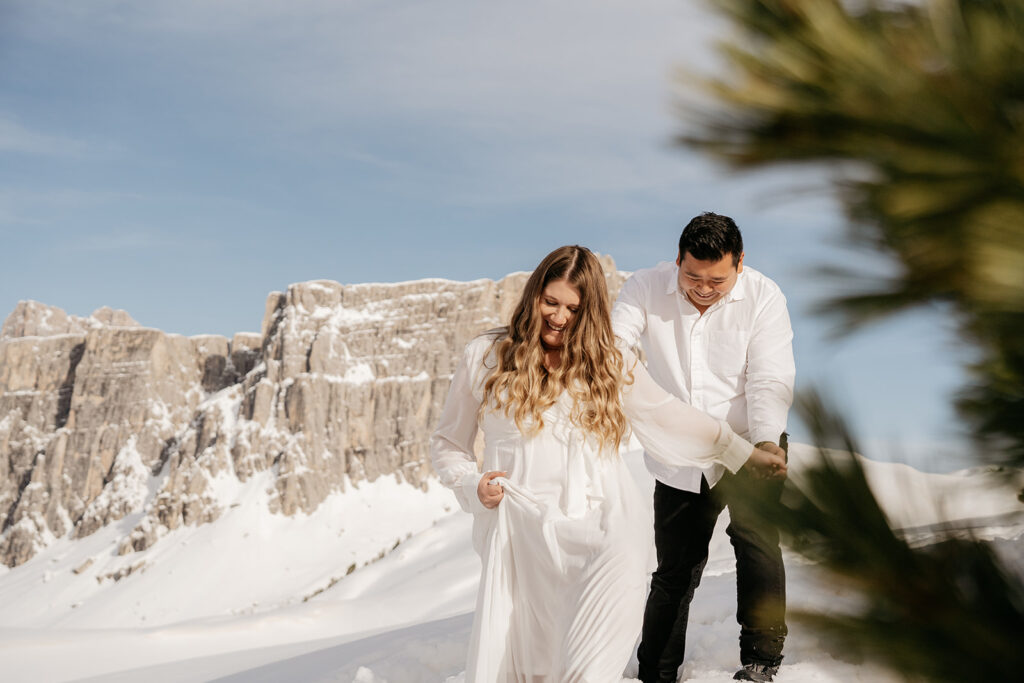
[{"x": 718, "y": 336}]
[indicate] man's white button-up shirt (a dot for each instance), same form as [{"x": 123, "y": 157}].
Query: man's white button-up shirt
[{"x": 734, "y": 362}]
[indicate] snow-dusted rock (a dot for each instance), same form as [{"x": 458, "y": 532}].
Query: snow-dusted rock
[
  {"x": 33, "y": 319},
  {"x": 71, "y": 403},
  {"x": 101, "y": 418}
]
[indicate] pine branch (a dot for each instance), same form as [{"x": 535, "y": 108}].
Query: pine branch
[
  {"x": 923, "y": 105},
  {"x": 946, "y": 612}
]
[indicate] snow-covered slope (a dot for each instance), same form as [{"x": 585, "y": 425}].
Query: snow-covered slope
[{"x": 256, "y": 596}]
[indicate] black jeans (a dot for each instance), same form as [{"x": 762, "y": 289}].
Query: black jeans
[{"x": 683, "y": 524}]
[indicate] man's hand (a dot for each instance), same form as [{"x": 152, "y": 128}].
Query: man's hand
[
  {"x": 768, "y": 461},
  {"x": 490, "y": 493},
  {"x": 771, "y": 447}
]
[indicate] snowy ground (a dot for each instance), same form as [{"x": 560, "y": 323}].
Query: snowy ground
[{"x": 260, "y": 597}]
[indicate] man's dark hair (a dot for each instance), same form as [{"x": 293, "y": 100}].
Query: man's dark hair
[{"x": 709, "y": 237}]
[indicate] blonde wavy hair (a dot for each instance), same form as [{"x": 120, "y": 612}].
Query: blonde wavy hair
[{"x": 591, "y": 368}]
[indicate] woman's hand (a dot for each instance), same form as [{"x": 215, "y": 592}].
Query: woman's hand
[
  {"x": 490, "y": 493},
  {"x": 768, "y": 461}
]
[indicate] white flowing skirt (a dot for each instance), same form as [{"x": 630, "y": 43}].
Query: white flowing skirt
[{"x": 561, "y": 598}]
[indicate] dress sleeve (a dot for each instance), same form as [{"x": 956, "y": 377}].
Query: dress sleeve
[
  {"x": 451, "y": 444},
  {"x": 629, "y": 314},
  {"x": 673, "y": 432}
]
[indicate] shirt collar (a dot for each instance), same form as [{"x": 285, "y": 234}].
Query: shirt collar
[
  {"x": 672, "y": 286},
  {"x": 739, "y": 290}
]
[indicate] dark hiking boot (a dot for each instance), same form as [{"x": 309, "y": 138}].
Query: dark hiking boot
[{"x": 756, "y": 672}]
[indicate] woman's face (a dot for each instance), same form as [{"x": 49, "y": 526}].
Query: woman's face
[{"x": 559, "y": 302}]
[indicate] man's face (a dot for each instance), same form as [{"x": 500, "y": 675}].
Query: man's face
[{"x": 705, "y": 282}]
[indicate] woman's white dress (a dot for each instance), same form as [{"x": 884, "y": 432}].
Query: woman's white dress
[{"x": 565, "y": 553}]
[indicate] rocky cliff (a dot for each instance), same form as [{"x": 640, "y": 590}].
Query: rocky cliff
[{"x": 103, "y": 420}]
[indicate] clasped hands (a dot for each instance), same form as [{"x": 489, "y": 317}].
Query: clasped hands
[{"x": 768, "y": 461}]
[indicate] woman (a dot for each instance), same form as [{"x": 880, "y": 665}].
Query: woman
[{"x": 561, "y": 528}]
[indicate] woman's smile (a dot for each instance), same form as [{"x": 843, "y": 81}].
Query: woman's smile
[{"x": 558, "y": 304}]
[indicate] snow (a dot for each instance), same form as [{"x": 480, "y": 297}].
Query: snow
[
  {"x": 378, "y": 584},
  {"x": 427, "y": 281},
  {"x": 360, "y": 373},
  {"x": 130, "y": 485},
  {"x": 248, "y": 561},
  {"x": 339, "y": 317}
]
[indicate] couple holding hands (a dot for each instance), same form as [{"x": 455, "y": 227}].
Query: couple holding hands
[{"x": 562, "y": 529}]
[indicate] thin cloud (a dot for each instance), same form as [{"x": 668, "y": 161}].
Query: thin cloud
[
  {"x": 129, "y": 239},
  {"x": 15, "y": 137},
  {"x": 21, "y": 206},
  {"x": 542, "y": 79}
]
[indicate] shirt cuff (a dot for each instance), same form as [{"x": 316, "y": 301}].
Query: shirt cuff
[
  {"x": 470, "y": 500},
  {"x": 731, "y": 449},
  {"x": 759, "y": 434}
]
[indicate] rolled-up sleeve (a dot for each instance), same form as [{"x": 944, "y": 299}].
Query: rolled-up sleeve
[
  {"x": 451, "y": 444},
  {"x": 771, "y": 371}
]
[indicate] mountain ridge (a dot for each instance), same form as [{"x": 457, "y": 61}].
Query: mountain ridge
[{"x": 342, "y": 384}]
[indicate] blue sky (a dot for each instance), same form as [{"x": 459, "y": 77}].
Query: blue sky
[{"x": 180, "y": 160}]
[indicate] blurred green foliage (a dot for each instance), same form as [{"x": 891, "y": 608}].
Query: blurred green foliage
[
  {"x": 916, "y": 112},
  {"x": 923, "y": 105},
  {"x": 946, "y": 611}
]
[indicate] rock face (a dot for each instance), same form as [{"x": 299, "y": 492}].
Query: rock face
[{"x": 101, "y": 418}]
